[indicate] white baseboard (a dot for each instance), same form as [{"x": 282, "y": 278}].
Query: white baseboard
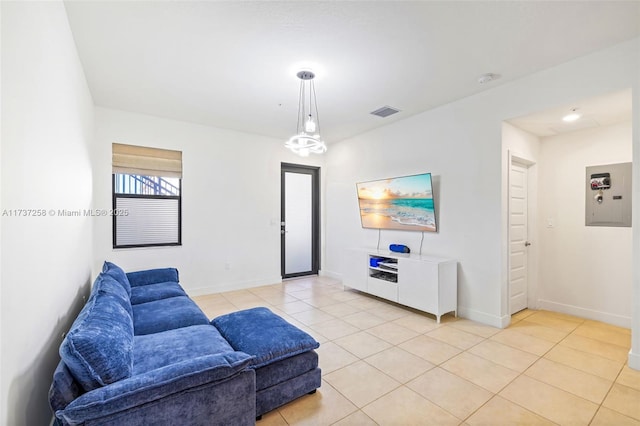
[
  {"x": 242, "y": 285},
  {"x": 484, "y": 318},
  {"x": 330, "y": 274},
  {"x": 634, "y": 360},
  {"x": 609, "y": 318}
]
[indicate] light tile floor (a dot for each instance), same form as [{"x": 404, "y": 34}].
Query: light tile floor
[{"x": 389, "y": 365}]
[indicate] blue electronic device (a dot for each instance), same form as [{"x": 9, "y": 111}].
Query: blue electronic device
[{"x": 399, "y": 248}]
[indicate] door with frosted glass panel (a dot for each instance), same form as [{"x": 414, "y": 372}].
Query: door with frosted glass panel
[{"x": 299, "y": 220}]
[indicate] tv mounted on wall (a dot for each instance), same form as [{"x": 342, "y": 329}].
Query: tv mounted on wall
[{"x": 401, "y": 203}]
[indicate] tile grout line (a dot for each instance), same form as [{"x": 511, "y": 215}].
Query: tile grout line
[{"x": 613, "y": 383}]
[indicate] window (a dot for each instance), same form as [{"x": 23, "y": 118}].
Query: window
[{"x": 147, "y": 196}]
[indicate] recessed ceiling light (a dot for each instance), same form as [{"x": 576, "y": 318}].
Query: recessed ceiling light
[{"x": 572, "y": 116}]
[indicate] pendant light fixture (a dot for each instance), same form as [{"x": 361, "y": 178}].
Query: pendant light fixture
[{"x": 307, "y": 138}]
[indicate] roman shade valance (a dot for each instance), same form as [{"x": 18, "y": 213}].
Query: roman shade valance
[{"x": 145, "y": 161}]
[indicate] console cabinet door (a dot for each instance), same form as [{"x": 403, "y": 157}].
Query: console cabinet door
[
  {"x": 418, "y": 285},
  {"x": 355, "y": 267}
]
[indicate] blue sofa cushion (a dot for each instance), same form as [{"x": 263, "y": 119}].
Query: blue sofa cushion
[
  {"x": 153, "y": 395},
  {"x": 64, "y": 388},
  {"x": 98, "y": 348},
  {"x": 153, "y": 276},
  {"x": 106, "y": 284},
  {"x": 151, "y": 292},
  {"x": 166, "y": 314},
  {"x": 118, "y": 274},
  {"x": 261, "y": 333},
  {"x": 152, "y": 351}
]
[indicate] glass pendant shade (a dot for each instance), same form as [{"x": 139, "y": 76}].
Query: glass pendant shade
[
  {"x": 307, "y": 138},
  {"x": 310, "y": 125}
]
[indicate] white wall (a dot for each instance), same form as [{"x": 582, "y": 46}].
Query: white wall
[
  {"x": 2, "y": 399},
  {"x": 585, "y": 270},
  {"x": 230, "y": 201},
  {"x": 461, "y": 144},
  {"x": 47, "y": 128},
  {"x": 2, "y": 392},
  {"x": 519, "y": 143},
  {"x": 634, "y": 354},
  {"x": 448, "y": 142}
]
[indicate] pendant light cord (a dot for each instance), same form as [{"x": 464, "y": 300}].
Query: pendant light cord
[
  {"x": 300, "y": 108},
  {"x": 315, "y": 101}
]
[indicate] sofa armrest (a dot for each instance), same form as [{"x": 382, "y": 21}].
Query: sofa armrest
[
  {"x": 152, "y": 387},
  {"x": 153, "y": 276}
]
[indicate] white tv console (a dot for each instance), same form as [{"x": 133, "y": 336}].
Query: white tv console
[{"x": 425, "y": 283}]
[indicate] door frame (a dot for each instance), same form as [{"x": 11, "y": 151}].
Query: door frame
[
  {"x": 532, "y": 228},
  {"x": 314, "y": 172}
]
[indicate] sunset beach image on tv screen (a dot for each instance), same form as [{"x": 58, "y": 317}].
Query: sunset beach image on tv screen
[{"x": 402, "y": 203}]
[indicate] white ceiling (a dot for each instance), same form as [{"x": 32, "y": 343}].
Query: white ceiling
[
  {"x": 232, "y": 64},
  {"x": 599, "y": 111}
]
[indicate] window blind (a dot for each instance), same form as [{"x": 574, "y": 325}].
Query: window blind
[
  {"x": 153, "y": 221},
  {"x": 141, "y": 160}
]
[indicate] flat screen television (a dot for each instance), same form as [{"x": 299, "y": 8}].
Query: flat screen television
[{"x": 401, "y": 203}]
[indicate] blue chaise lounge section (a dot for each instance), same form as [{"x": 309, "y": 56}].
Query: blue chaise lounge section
[{"x": 285, "y": 361}]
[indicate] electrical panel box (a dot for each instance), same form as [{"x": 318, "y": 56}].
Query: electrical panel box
[{"x": 608, "y": 195}]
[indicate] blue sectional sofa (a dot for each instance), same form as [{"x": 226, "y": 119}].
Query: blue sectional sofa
[{"x": 141, "y": 352}]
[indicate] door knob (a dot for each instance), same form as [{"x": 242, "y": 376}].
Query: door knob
[{"x": 527, "y": 243}]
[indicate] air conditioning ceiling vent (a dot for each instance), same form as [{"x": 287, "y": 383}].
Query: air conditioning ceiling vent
[{"x": 385, "y": 111}]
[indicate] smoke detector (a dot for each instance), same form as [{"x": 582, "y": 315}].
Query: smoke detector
[{"x": 488, "y": 77}]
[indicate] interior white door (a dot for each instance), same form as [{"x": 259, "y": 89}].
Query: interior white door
[
  {"x": 518, "y": 235},
  {"x": 298, "y": 223}
]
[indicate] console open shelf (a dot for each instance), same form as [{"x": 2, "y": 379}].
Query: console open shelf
[{"x": 426, "y": 283}]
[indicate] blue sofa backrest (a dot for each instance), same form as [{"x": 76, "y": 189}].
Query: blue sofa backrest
[
  {"x": 98, "y": 348},
  {"x": 153, "y": 276}
]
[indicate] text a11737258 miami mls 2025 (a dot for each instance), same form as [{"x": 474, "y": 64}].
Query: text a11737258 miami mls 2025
[{"x": 64, "y": 212}]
